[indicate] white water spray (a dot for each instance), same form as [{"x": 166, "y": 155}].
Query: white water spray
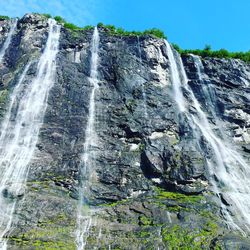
[
  {"x": 20, "y": 130},
  {"x": 8, "y": 39},
  {"x": 84, "y": 218},
  {"x": 175, "y": 79},
  {"x": 229, "y": 167}
]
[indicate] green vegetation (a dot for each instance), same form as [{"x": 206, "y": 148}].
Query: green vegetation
[
  {"x": 4, "y": 18},
  {"x": 145, "y": 220},
  {"x": 116, "y": 203},
  {"x": 52, "y": 233},
  {"x": 47, "y": 15},
  {"x": 161, "y": 194},
  {"x": 88, "y": 27},
  {"x": 4, "y": 94},
  {"x": 208, "y": 52},
  {"x": 60, "y": 19},
  {"x": 71, "y": 26},
  {"x": 120, "y": 31},
  {"x": 179, "y": 238},
  {"x": 111, "y": 28}
]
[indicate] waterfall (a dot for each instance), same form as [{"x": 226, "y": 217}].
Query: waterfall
[
  {"x": 207, "y": 90},
  {"x": 142, "y": 83},
  {"x": 8, "y": 39},
  {"x": 175, "y": 78},
  {"x": 20, "y": 129},
  {"x": 229, "y": 168},
  {"x": 229, "y": 172},
  {"x": 84, "y": 219}
]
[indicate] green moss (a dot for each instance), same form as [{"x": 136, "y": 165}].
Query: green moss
[
  {"x": 186, "y": 239},
  {"x": 144, "y": 234},
  {"x": 116, "y": 203},
  {"x": 141, "y": 147},
  {"x": 145, "y": 220},
  {"x": 40, "y": 244},
  {"x": 52, "y": 233},
  {"x": 162, "y": 194},
  {"x": 4, "y": 94}
]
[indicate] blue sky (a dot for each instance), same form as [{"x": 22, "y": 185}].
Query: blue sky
[{"x": 189, "y": 23}]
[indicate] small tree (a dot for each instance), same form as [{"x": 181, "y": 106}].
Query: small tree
[
  {"x": 208, "y": 47},
  {"x": 59, "y": 19},
  {"x": 100, "y": 25}
]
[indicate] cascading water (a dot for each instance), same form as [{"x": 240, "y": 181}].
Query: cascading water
[
  {"x": 207, "y": 90},
  {"x": 142, "y": 83},
  {"x": 230, "y": 174},
  {"x": 84, "y": 219},
  {"x": 8, "y": 39},
  {"x": 20, "y": 129},
  {"x": 175, "y": 78},
  {"x": 229, "y": 168}
]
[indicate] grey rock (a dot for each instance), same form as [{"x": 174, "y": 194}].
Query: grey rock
[{"x": 135, "y": 155}]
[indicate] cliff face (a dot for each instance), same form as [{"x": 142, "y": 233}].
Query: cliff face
[{"x": 156, "y": 181}]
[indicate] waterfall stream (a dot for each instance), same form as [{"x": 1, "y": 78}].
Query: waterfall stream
[
  {"x": 229, "y": 168},
  {"x": 84, "y": 219},
  {"x": 229, "y": 172},
  {"x": 20, "y": 129},
  {"x": 8, "y": 39},
  {"x": 175, "y": 79}
]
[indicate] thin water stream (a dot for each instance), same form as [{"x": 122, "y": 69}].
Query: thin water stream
[
  {"x": 84, "y": 219},
  {"x": 20, "y": 129}
]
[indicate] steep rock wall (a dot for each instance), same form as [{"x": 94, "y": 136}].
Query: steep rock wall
[{"x": 151, "y": 186}]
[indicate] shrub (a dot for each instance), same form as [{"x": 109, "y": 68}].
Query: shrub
[
  {"x": 208, "y": 47},
  {"x": 88, "y": 27},
  {"x": 208, "y": 52},
  {"x": 59, "y": 19},
  {"x": 71, "y": 26},
  {"x": 111, "y": 28},
  {"x": 155, "y": 32},
  {"x": 100, "y": 25},
  {"x": 176, "y": 47},
  {"x": 120, "y": 31},
  {"x": 47, "y": 15},
  {"x": 4, "y": 18}
]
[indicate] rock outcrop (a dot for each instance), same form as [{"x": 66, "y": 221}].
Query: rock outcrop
[{"x": 151, "y": 188}]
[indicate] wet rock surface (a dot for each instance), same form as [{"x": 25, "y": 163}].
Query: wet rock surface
[{"x": 150, "y": 186}]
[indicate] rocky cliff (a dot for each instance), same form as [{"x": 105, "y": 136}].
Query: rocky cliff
[{"x": 151, "y": 185}]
